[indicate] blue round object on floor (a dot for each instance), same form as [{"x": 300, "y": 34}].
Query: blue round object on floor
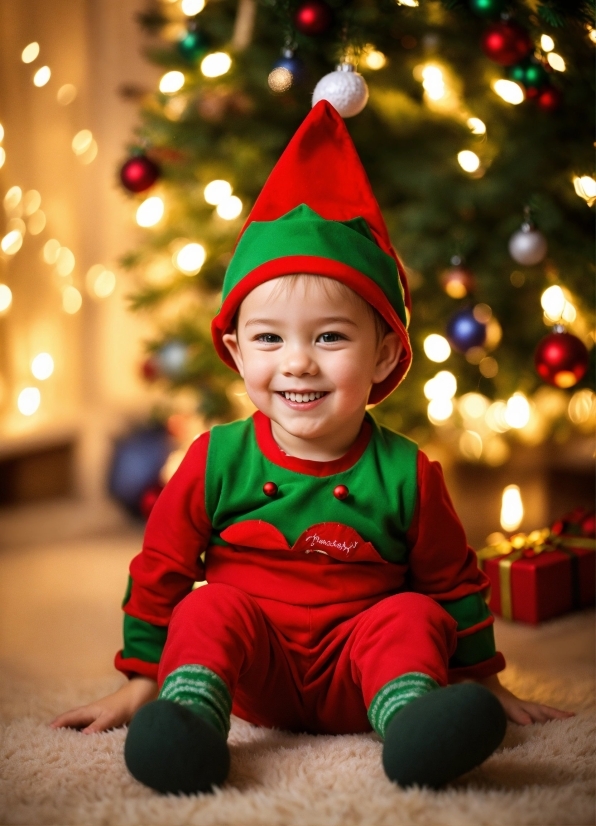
[{"x": 136, "y": 465}]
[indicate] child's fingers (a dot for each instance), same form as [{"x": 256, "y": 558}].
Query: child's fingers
[
  {"x": 75, "y": 718},
  {"x": 105, "y": 721},
  {"x": 556, "y": 713},
  {"x": 517, "y": 714}
]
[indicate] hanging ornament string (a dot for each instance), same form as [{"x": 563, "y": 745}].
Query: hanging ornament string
[{"x": 244, "y": 25}]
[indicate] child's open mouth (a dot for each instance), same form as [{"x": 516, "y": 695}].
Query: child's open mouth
[{"x": 306, "y": 398}]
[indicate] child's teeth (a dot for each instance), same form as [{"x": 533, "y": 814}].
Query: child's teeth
[{"x": 302, "y": 397}]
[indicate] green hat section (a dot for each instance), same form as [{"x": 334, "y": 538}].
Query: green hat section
[{"x": 303, "y": 232}]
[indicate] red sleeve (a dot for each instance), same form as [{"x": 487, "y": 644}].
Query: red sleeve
[
  {"x": 177, "y": 533},
  {"x": 441, "y": 562}
]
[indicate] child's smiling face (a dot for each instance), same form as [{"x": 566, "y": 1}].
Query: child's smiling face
[{"x": 309, "y": 356}]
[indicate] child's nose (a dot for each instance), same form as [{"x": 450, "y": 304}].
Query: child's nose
[{"x": 299, "y": 362}]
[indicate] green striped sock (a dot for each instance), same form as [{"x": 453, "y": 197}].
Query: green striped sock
[
  {"x": 201, "y": 690},
  {"x": 395, "y": 695}
]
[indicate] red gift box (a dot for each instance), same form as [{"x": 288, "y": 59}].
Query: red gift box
[{"x": 540, "y": 576}]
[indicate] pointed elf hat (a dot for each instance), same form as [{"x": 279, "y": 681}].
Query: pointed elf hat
[{"x": 317, "y": 215}]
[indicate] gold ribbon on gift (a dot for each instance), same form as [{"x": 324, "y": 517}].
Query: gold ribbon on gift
[{"x": 513, "y": 549}]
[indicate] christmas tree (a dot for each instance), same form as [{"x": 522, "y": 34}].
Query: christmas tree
[{"x": 477, "y": 138}]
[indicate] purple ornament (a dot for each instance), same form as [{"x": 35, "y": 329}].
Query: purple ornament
[{"x": 465, "y": 331}]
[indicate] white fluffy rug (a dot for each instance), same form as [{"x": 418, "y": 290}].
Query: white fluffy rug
[{"x": 541, "y": 775}]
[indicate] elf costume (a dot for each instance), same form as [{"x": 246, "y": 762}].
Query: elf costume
[{"x": 342, "y": 595}]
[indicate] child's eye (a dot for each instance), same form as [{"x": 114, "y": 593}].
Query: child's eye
[
  {"x": 330, "y": 338},
  {"x": 269, "y": 338}
]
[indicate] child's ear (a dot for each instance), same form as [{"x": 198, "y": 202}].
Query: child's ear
[
  {"x": 388, "y": 356},
  {"x": 231, "y": 342}
]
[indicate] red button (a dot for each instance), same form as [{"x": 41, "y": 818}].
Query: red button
[
  {"x": 341, "y": 492},
  {"x": 269, "y": 488}
]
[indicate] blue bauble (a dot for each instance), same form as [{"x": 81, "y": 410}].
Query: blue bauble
[
  {"x": 294, "y": 65},
  {"x": 464, "y": 331},
  {"x": 136, "y": 465},
  {"x": 172, "y": 359}
]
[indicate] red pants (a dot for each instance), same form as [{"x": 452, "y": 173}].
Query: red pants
[{"x": 296, "y": 667}]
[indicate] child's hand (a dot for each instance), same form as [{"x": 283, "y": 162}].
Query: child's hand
[
  {"x": 111, "y": 711},
  {"x": 520, "y": 711}
]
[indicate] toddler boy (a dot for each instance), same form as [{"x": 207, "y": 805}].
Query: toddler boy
[{"x": 341, "y": 595}]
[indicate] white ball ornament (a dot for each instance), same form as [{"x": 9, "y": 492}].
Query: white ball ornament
[
  {"x": 345, "y": 89},
  {"x": 172, "y": 359},
  {"x": 528, "y": 246}
]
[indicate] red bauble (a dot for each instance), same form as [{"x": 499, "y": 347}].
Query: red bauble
[
  {"x": 561, "y": 359},
  {"x": 549, "y": 99},
  {"x": 139, "y": 173},
  {"x": 313, "y": 17},
  {"x": 150, "y": 369},
  {"x": 270, "y": 489},
  {"x": 341, "y": 492},
  {"x": 149, "y": 498},
  {"x": 506, "y": 43},
  {"x": 458, "y": 281}
]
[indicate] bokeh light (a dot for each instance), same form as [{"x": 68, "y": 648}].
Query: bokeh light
[
  {"x": 12, "y": 242},
  {"x": 5, "y": 297},
  {"x": 190, "y": 258},
  {"x": 42, "y": 366},
  {"x": 469, "y": 161},
  {"x": 217, "y": 191},
  {"x": 150, "y": 212},
  {"x": 72, "y": 300},
  {"x": 30, "y": 52},
  {"x": 476, "y": 126},
  {"x": 42, "y": 76},
  {"x": 436, "y": 348},
  {"x": 171, "y": 82},
  {"x": 230, "y": 208},
  {"x": 509, "y": 91},
  {"x": 29, "y": 400},
  {"x": 517, "y": 411},
  {"x": 216, "y": 64},
  {"x": 512, "y": 509}
]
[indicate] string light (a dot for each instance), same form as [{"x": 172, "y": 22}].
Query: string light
[
  {"x": 217, "y": 191},
  {"x": 556, "y": 62},
  {"x": 192, "y": 7},
  {"x": 51, "y": 251},
  {"x": 495, "y": 417},
  {"x": 433, "y": 82},
  {"x": 31, "y": 201},
  {"x": 65, "y": 261},
  {"x": 2, "y": 156},
  {"x": 476, "y": 126},
  {"x": 42, "y": 366},
  {"x": 37, "y": 222},
  {"x": 439, "y": 410},
  {"x": 512, "y": 509},
  {"x": 13, "y": 198},
  {"x": 581, "y": 406},
  {"x": 547, "y": 44},
  {"x": 42, "y": 76},
  {"x": 5, "y": 297},
  {"x": 411, "y": 3},
  {"x": 72, "y": 300},
  {"x": 150, "y": 212},
  {"x": 66, "y": 94},
  {"x": 102, "y": 284},
  {"x": 1, "y": 133},
  {"x": 190, "y": 258},
  {"x": 585, "y": 187},
  {"x": 171, "y": 82},
  {"x": 443, "y": 385},
  {"x": 375, "y": 60},
  {"x": 12, "y": 242},
  {"x": 509, "y": 91},
  {"x": 436, "y": 348},
  {"x": 470, "y": 445},
  {"x": 29, "y": 400},
  {"x": 216, "y": 64},
  {"x": 16, "y": 224},
  {"x": 30, "y": 52},
  {"x": 556, "y": 305},
  {"x": 230, "y": 208},
  {"x": 473, "y": 405},
  {"x": 469, "y": 161},
  {"x": 517, "y": 411},
  {"x": 82, "y": 141}
]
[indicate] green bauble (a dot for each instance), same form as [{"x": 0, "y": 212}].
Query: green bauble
[
  {"x": 193, "y": 45},
  {"x": 530, "y": 74},
  {"x": 487, "y": 8}
]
